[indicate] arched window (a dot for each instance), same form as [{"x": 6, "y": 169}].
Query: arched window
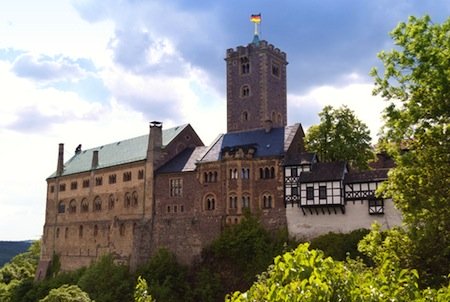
[
  {"x": 66, "y": 233},
  {"x": 97, "y": 204},
  {"x": 84, "y": 205},
  {"x": 135, "y": 198},
  {"x": 266, "y": 173},
  {"x": 233, "y": 201},
  {"x": 205, "y": 177},
  {"x": 127, "y": 200},
  {"x": 122, "y": 229},
  {"x": 280, "y": 119},
  {"x": 245, "y": 173},
  {"x": 134, "y": 227},
  {"x": 245, "y": 91},
  {"x": 72, "y": 206},
  {"x": 95, "y": 230},
  {"x": 57, "y": 232},
  {"x": 61, "y": 207},
  {"x": 210, "y": 203},
  {"x": 245, "y": 65},
  {"x": 245, "y": 201},
  {"x": 272, "y": 172},
  {"x": 244, "y": 116},
  {"x": 80, "y": 231},
  {"x": 111, "y": 201},
  {"x": 267, "y": 201}
]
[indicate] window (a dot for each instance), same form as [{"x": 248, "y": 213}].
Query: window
[
  {"x": 141, "y": 174},
  {"x": 267, "y": 201},
  {"x": 233, "y": 202},
  {"x": 112, "y": 179},
  {"x": 176, "y": 187},
  {"x": 62, "y": 187},
  {"x": 111, "y": 202},
  {"x": 294, "y": 191},
  {"x": 86, "y": 183},
  {"x": 61, "y": 207},
  {"x": 294, "y": 172},
  {"x": 73, "y": 185},
  {"x": 95, "y": 230},
  {"x": 84, "y": 205},
  {"x": 99, "y": 181},
  {"x": 245, "y": 202},
  {"x": 135, "y": 198},
  {"x": 245, "y": 173},
  {"x": 57, "y": 232},
  {"x": 127, "y": 176},
  {"x": 309, "y": 193},
  {"x": 210, "y": 203},
  {"x": 233, "y": 173},
  {"x": 66, "y": 233},
  {"x": 97, "y": 204},
  {"x": 127, "y": 200},
  {"x": 80, "y": 231},
  {"x": 267, "y": 173},
  {"x": 245, "y": 65},
  {"x": 245, "y": 91},
  {"x": 168, "y": 209},
  {"x": 322, "y": 192},
  {"x": 210, "y": 176},
  {"x": 72, "y": 206},
  {"x": 52, "y": 189},
  {"x": 122, "y": 229},
  {"x": 275, "y": 70},
  {"x": 245, "y": 116}
]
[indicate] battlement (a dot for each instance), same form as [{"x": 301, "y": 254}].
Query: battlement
[{"x": 263, "y": 44}]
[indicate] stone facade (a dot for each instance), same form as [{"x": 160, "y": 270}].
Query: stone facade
[{"x": 167, "y": 190}]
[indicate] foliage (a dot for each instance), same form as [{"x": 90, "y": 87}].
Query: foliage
[
  {"x": 339, "y": 246},
  {"x": 416, "y": 83},
  {"x": 106, "y": 281},
  {"x": 306, "y": 275},
  {"x": 67, "y": 293},
  {"x": 167, "y": 278},
  {"x": 340, "y": 136},
  {"x": 141, "y": 291}
]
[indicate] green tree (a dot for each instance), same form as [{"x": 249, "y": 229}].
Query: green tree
[
  {"x": 340, "y": 136},
  {"x": 66, "y": 293},
  {"x": 416, "y": 85}
]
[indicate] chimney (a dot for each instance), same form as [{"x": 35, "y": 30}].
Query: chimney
[
  {"x": 60, "y": 167},
  {"x": 268, "y": 126},
  {"x": 155, "y": 141},
  {"x": 94, "y": 159}
]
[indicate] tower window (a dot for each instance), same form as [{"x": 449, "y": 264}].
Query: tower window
[
  {"x": 245, "y": 91},
  {"x": 245, "y": 65},
  {"x": 245, "y": 116},
  {"x": 276, "y": 70}
]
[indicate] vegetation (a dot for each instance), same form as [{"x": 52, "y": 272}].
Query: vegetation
[
  {"x": 67, "y": 293},
  {"x": 340, "y": 136},
  {"x": 416, "y": 83}
]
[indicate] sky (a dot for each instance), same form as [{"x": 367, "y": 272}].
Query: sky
[{"x": 93, "y": 72}]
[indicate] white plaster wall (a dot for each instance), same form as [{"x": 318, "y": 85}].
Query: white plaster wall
[{"x": 356, "y": 216}]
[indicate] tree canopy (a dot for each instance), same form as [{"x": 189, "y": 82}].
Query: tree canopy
[
  {"x": 416, "y": 85},
  {"x": 340, "y": 136}
]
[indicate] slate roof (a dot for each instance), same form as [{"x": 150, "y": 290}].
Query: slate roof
[
  {"x": 185, "y": 161},
  {"x": 117, "y": 153},
  {"x": 266, "y": 144},
  {"x": 324, "y": 172},
  {"x": 300, "y": 158},
  {"x": 365, "y": 176}
]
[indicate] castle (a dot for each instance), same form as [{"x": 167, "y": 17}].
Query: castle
[{"x": 166, "y": 189}]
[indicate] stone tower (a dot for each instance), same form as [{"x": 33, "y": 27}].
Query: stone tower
[{"x": 256, "y": 86}]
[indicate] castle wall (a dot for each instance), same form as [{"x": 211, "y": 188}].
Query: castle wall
[{"x": 310, "y": 225}]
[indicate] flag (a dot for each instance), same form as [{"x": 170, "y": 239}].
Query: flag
[{"x": 255, "y": 18}]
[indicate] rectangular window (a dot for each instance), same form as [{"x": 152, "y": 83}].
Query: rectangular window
[
  {"x": 52, "y": 189},
  {"x": 99, "y": 181},
  {"x": 309, "y": 193},
  {"x": 112, "y": 179},
  {"x": 294, "y": 191},
  {"x": 294, "y": 172},
  {"x": 176, "y": 187},
  {"x": 126, "y": 176},
  {"x": 62, "y": 187},
  {"x": 141, "y": 174},
  {"x": 322, "y": 192},
  {"x": 376, "y": 206},
  {"x": 73, "y": 185},
  {"x": 86, "y": 183}
]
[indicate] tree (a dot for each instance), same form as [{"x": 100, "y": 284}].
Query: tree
[
  {"x": 340, "y": 136},
  {"x": 416, "y": 85},
  {"x": 67, "y": 293}
]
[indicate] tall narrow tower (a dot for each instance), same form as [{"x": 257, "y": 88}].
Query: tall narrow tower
[{"x": 256, "y": 86}]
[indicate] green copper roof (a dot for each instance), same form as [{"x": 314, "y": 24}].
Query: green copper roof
[{"x": 121, "y": 152}]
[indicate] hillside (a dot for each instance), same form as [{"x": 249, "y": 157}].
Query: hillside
[{"x": 9, "y": 249}]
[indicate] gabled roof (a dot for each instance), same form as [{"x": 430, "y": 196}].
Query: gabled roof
[
  {"x": 121, "y": 152},
  {"x": 266, "y": 144},
  {"x": 302, "y": 158},
  {"x": 324, "y": 172},
  {"x": 185, "y": 161}
]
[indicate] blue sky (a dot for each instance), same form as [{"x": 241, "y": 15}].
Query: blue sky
[{"x": 94, "y": 72}]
